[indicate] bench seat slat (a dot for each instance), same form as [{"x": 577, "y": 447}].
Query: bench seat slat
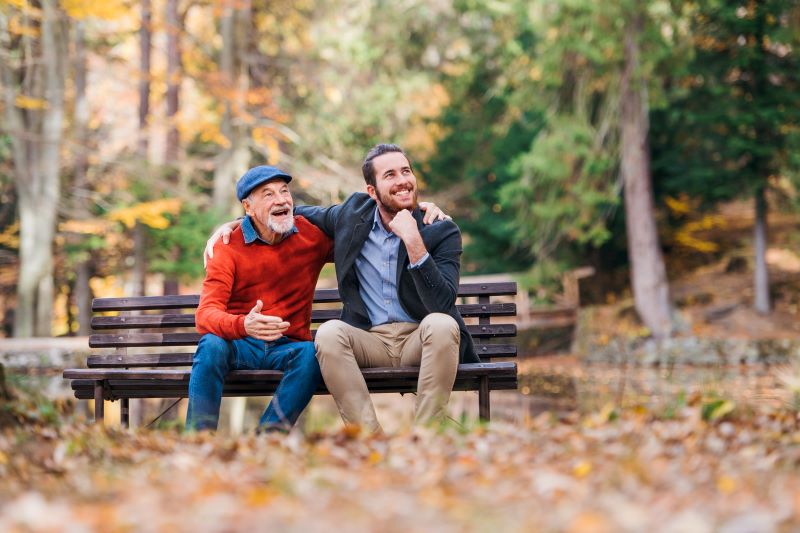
[
  {"x": 134, "y": 340},
  {"x": 140, "y": 360},
  {"x": 470, "y": 369},
  {"x": 174, "y": 383},
  {"x": 317, "y": 315},
  {"x": 259, "y": 390}
]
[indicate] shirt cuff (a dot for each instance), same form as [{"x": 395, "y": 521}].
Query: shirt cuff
[{"x": 418, "y": 263}]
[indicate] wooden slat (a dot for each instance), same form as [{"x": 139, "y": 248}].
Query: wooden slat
[
  {"x": 184, "y": 301},
  {"x": 379, "y": 388},
  {"x": 317, "y": 315},
  {"x": 492, "y": 289},
  {"x": 141, "y": 360},
  {"x": 143, "y": 321},
  {"x": 173, "y": 384},
  {"x": 492, "y": 330},
  {"x": 464, "y": 370},
  {"x": 134, "y": 340},
  {"x": 141, "y": 303}
]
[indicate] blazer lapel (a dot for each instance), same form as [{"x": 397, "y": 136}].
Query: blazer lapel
[{"x": 357, "y": 238}]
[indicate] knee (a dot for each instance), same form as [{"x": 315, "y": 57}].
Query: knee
[
  {"x": 331, "y": 333},
  {"x": 440, "y": 324},
  {"x": 212, "y": 352}
]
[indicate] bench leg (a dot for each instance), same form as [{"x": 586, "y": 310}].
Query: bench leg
[
  {"x": 99, "y": 411},
  {"x": 125, "y": 413},
  {"x": 483, "y": 399}
]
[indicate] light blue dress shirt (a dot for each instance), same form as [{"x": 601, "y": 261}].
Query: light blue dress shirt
[{"x": 376, "y": 269}]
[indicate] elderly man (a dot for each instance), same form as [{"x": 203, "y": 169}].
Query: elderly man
[
  {"x": 255, "y": 307},
  {"x": 398, "y": 280}
]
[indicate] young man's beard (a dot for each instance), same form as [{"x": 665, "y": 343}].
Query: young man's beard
[{"x": 389, "y": 205}]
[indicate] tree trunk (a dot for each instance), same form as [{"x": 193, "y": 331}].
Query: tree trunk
[
  {"x": 36, "y": 141},
  {"x": 760, "y": 273},
  {"x": 145, "y": 48},
  {"x": 173, "y": 24},
  {"x": 233, "y": 161},
  {"x": 173, "y": 81},
  {"x": 82, "y": 293},
  {"x": 648, "y": 274},
  {"x": 139, "y": 273},
  {"x": 83, "y": 298}
]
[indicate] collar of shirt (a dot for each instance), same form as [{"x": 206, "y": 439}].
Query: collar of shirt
[
  {"x": 377, "y": 224},
  {"x": 250, "y": 234}
]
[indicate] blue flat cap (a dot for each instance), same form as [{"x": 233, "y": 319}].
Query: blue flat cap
[{"x": 256, "y": 176}]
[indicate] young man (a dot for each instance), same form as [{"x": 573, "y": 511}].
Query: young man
[
  {"x": 255, "y": 307},
  {"x": 398, "y": 280}
]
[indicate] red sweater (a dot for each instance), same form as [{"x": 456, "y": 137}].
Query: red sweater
[{"x": 283, "y": 276}]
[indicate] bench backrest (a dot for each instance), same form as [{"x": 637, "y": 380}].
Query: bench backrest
[{"x": 140, "y": 322}]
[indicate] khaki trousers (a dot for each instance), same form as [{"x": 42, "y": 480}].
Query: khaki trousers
[{"x": 431, "y": 345}]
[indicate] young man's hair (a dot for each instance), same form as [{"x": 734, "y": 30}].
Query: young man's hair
[{"x": 368, "y": 170}]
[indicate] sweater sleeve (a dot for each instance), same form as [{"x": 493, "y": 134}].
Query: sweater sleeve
[{"x": 212, "y": 314}]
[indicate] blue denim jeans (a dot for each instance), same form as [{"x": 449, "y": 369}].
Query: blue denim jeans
[{"x": 215, "y": 357}]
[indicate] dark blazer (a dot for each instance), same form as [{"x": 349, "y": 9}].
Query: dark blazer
[{"x": 431, "y": 288}]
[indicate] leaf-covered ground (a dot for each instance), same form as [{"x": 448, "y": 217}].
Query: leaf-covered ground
[{"x": 702, "y": 468}]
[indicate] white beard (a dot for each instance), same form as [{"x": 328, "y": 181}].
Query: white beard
[{"x": 281, "y": 227}]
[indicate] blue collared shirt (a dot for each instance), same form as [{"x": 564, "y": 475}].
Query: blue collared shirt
[
  {"x": 376, "y": 269},
  {"x": 250, "y": 234}
]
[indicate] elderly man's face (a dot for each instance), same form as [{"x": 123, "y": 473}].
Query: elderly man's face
[
  {"x": 395, "y": 184},
  {"x": 270, "y": 206}
]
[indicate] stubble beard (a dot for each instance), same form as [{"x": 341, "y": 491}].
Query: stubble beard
[{"x": 389, "y": 206}]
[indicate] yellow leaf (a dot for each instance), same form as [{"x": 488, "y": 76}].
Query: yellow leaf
[
  {"x": 374, "y": 458},
  {"x": 26, "y": 102},
  {"x": 608, "y": 412},
  {"x": 260, "y": 496},
  {"x": 89, "y": 227},
  {"x": 582, "y": 469},
  {"x": 10, "y": 236},
  {"x": 3, "y": 458},
  {"x": 679, "y": 206},
  {"x": 264, "y": 136},
  {"x": 105, "y": 10},
  {"x": 148, "y": 213},
  {"x": 726, "y": 485},
  {"x": 17, "y": 28}
]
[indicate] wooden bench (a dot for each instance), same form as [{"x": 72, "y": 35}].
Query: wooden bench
[{"x": 127, "y": 373}]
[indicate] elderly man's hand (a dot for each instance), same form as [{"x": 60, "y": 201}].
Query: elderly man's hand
[
  {"x": 223, "y": 232},
  {"x": 264, "y": 327},
  {"x": 432, "y": 213}
]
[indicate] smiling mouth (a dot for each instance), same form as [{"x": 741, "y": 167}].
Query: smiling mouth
[
  {"x": 405, "y": 193},
  {"x": 280, "y": 212}
]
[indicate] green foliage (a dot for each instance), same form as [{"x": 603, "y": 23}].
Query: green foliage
[
  {"x": 532, "y": 128},
  {"x": 734, "y": 112},
  {"x": 177, "y": 250}
]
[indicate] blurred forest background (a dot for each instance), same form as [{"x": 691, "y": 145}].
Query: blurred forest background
[{"x": 646, "y": 139}]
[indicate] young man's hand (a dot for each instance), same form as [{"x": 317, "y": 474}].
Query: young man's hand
[
  {"x": 432, "y": 213},
  {"x": 223, "y": 232},
  {"x": 264, "y": 327},
  {"x": 404, "y": 226}
]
